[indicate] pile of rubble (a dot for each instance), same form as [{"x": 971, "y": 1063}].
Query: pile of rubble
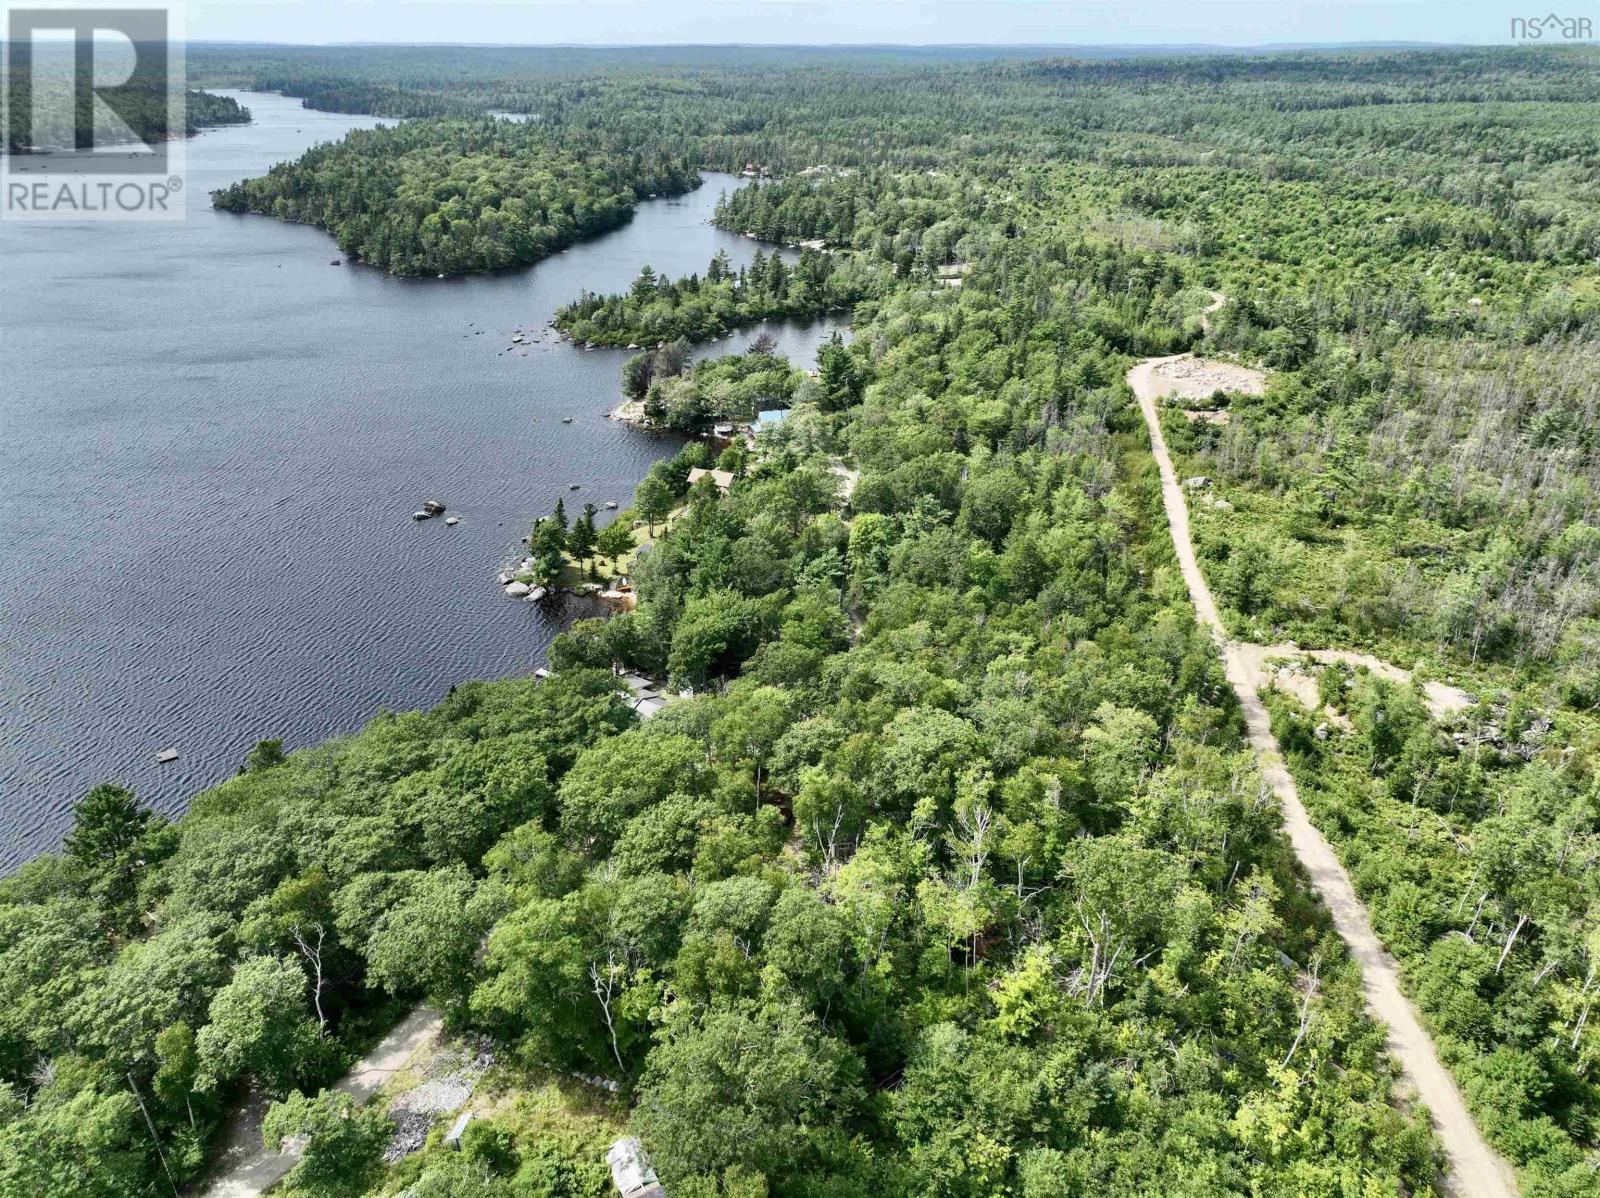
[
  {"x": 410, "y": 1134},
  {"x": 449, "y": 1078},
  {"x": 1491, "y": 734},
  {"x": 1200, "y": 378}
]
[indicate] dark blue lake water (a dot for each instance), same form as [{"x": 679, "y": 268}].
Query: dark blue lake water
[{"x": 211, "y": 443}]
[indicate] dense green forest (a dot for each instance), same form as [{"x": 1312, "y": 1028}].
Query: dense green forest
[
  {"x": 41, "y": 112},
  {"x": 147, "y": 114},
  {"x": 953, "y": 874},
  {"x": 953, "y": 877},
  {"x": 699, "y": 308},
  {"x": 449, "y": 196}
]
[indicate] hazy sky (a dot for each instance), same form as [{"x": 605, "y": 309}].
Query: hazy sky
[{"x": 634, "y": 22}]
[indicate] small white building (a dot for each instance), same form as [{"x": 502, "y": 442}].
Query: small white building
[{"x": 631, "y": 1171}]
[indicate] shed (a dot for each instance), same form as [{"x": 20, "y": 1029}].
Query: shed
[
  {"x": 637, "y": 683},
  {"x": 631, "y": 1171}
]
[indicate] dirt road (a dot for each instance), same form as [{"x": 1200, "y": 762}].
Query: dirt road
[
  {"x": 1475, "y": 1170},
  {"x": 248, "y": 1169},
  {"x": 1442, "y": 699}
]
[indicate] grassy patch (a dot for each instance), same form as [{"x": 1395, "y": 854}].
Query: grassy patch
[{"x": 531, "y": 1135}]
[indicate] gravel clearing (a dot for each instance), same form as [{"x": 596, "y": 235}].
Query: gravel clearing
[
  {"x": 434, "y": 1097},
  {"x": 1199, "y": 378}
]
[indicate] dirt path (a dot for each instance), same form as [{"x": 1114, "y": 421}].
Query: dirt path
[
  {"x": 248, "y": 1169},
  {"x": 1475, "y": 1170},
  {"x": 1442, "y": 699}
]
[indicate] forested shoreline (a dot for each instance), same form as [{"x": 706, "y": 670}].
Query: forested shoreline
[
  {"x": 701, "y": 308},
  {"x": 147, "y": 115},
  {"x": 957, "y": 841},
  {"x": 452, "y": 196},
  {"x": 943, "y": 867}
]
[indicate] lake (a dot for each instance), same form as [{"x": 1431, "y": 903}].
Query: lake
[{"x": 211, "y": 444}]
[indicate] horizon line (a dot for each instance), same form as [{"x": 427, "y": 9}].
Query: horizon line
[{"x": 1364, "y": 43}]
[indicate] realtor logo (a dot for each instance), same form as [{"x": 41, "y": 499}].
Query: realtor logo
[
  {"x": 94, "y": 115},
  {"x": 1552, "y": 26}
]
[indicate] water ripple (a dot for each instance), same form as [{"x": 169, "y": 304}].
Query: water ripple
[{"x": 213, "y": 442}]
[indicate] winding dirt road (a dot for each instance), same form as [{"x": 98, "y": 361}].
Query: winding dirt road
[{"x": 1475, "y": 1170}]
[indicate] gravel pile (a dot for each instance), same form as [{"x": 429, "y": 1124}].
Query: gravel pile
[
  {"x": 437, "y": 1097},
  {"x": 451, "y": 1075},
  {"x": 410, "y": 1134}
]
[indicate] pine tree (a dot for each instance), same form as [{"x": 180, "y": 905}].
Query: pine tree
[
  {"x": 581, "y": 541},
  {"x": 548, "y": 543}
]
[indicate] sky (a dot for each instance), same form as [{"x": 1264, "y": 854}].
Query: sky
[{"x": 814, "y": 22}]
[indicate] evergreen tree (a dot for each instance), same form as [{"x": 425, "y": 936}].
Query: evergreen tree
[
  {"x": 581, "y": 540},
  {"x": 546, "y": 547}
]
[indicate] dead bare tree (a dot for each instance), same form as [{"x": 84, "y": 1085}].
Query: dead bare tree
[
  {"x": 605, "y": 987},
  {"x": 1476, "y": 911},
  {"x": 1522, "y": 921},
  {"x": 1102, "y": 957},
  {"x": 1307, "y": 994},
  {"x": 312, "y": 952},
  {"x": 974, "y": 823},
  {"x": 829, "y": 847},
  {"x": 155, "y": 1139},
  {"x": 1586, "y": 997}
]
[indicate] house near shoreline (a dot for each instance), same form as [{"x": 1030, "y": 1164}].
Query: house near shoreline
[{"x": 769, "y": 419}]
